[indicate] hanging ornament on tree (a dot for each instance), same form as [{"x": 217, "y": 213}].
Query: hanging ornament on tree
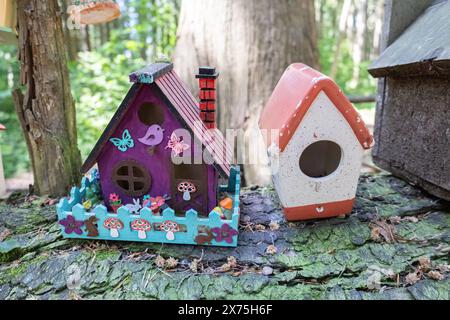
[{"x": 94, "y": 11}]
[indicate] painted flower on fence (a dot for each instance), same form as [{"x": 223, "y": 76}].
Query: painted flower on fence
[
  {"x": 225, "y": 233},
  {"x": 155, "y": 204},
  {"x": 71, "y": 225},
  {"x": 115, "y": 202}
]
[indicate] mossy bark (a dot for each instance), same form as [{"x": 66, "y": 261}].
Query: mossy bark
[{"x": 340, "y": 258}]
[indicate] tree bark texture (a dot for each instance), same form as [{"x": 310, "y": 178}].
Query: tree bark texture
[
  {"x": 251, "y": 42},
  {"x": 46, "y": 111}
]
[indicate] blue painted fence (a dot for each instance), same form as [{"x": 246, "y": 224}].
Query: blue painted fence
[{"x": 190, "y": 221}]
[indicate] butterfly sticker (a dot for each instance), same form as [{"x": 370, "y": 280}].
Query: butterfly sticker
[
  {"x": 177, "y": 145},
  {"x": 125, "y": 143}
]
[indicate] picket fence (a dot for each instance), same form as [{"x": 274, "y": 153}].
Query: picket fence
[{"x": 191, "y": 221}]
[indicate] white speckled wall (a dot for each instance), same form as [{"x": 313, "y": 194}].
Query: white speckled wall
[{"x": 322, "y": 122}]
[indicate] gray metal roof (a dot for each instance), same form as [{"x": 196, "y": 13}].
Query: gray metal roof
[{"x": 423, "y": 49}]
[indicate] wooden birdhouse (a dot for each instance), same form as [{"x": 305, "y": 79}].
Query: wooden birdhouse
[
  {"x": 2, "y": 175},
  {"x": 412, "y": 126},
  {"x": 148, "y": 195},
  {"x": 317, "y": 150},
  {"x": 8, "y": 22}
]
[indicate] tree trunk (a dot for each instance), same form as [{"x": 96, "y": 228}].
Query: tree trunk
[
  {"x": 70, "y": 37},
  {"x": 251, "y": 42},
  {"x": 359, "y": 41},
  {"x": 46, "y": 111},
  {"x": 341, "y": 34},
  {"x": 87, "y": 38}
]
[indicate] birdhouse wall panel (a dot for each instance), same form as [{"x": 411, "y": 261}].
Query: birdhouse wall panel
[
  {"x": 419, "y": 156},
  {"x": 155, "y": 159},
  {"x": 322, "y": 122}
]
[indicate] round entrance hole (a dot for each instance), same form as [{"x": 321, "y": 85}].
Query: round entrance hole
[
  {"x": 320, "y": 159},
  {"x": 150, "y": 114}
]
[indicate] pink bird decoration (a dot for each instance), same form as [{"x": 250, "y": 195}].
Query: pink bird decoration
[{"x": 153, "y": 137}]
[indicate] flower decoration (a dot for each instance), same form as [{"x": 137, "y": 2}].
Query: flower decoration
[
  {"x": 115, "y": 202},
  {"x": 224, "y": 233},
  {"x": 87, "y": 204},
  {"x": 113, "y": 198},
  {"x": 177, "y": 145},
  {"x": 154, "y": 204},
  {"x": 71, "y": 225}
]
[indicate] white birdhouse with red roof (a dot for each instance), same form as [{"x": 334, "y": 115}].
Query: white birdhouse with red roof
[{"x": 315, "y": 140}]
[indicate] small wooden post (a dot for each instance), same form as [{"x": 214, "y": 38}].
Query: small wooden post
[{"x": 2, "y": 176}]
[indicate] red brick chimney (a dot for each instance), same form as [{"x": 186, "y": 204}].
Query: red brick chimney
[{"x": 207, "y": 77}]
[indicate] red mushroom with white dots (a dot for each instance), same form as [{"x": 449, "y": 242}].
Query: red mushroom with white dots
[
  {"x": 187, "y": 188},
  {"x": 170, "y": 227},
  {"x": 113, "y": 225},
  {"x": 142, "y": 227}
]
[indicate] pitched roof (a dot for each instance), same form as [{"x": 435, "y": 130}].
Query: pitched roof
[
  {"x": 423, "y": 49},
  {"x": 184, "y": 106},
  {"x": 294, "y": 95},
  {"x": 2, "y": 127}
]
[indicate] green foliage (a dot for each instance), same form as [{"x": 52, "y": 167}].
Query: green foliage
[
  {"x": 99, "y": 79},
  {"x": 146, "y": 31},
  {"x": 99, "y": 84},
  {"x": 364, "y": 85},
  {"x": 12, "y": 143}
]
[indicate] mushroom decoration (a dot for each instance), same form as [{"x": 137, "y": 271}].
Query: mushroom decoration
[
  {"x": 141, "y": 226},
  {"x": 187, "y": 188},
  {"x": 94, "y": 11},
  {"x": 170, "y": 227},
  {"x": 113, "y": 225}
]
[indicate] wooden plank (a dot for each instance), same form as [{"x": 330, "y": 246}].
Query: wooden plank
[
  {"x": 398, "y": 16},
  {"x": 427, "y": 39},
  {"x": 412, "y": 132},
  {"x": 362, "y": 99}
]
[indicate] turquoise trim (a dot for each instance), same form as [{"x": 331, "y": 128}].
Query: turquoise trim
[
  {"x": 73, "y": 206},
  {"x": 146, "y": 78}
]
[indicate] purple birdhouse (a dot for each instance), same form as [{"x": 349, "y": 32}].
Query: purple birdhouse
[{"x": 158, "y": 122}]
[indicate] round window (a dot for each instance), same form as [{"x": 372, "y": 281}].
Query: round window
[
  {"x": 132, "y": 178},
  {"x": 320, "y": 159}
]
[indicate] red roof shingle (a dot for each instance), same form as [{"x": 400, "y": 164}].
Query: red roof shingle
[{"x": 294, "y": 95}]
